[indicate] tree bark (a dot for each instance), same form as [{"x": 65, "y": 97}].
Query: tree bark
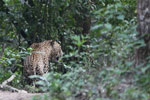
[
  {"x": 142, "y": 53},
  {"x": 3, "y": 49}
]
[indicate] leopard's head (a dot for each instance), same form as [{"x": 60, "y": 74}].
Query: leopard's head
[{"x": 57, "y": 52}]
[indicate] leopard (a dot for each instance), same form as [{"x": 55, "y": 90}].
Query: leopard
[{"x": 37, "y": 63}]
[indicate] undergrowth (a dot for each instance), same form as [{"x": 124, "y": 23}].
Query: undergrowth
[{"x": 95, "y": 66}]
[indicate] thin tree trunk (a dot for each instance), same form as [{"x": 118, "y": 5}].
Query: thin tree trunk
[
  {"x": 143, "y": 29},
  {"x": 3, "y": 49}
]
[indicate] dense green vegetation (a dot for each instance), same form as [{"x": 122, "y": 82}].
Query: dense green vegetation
[{"x": 98, "y": 38}]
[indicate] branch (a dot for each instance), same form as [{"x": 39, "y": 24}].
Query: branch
[
  {"x": 12, "y": 88},
  {"x": 5, "y": 86},
  {"x": 9, "y": 80}
]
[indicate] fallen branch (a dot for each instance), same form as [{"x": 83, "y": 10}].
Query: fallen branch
[
  {"x": 5, "y": 86},
  {"x": 10, "y": 88},
  {"x": 9, "y": 80}
]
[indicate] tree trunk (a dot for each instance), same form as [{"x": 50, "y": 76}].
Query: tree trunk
[{"x": 143, "y": 29}]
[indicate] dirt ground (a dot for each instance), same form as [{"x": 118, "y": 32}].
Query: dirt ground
[{"x": 6, "y": 95}]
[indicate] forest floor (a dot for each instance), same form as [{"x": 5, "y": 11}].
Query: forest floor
[{"x": 6, "y": 95}]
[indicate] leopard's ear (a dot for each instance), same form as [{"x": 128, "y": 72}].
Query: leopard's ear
[
  {"x": 52, "y": 43},
  {"x": 58, "y": 42}
]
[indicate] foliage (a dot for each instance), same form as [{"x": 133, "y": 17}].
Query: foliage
[
  {"x": 11, "y": 63},
  {"x": 95, "y": 66}
]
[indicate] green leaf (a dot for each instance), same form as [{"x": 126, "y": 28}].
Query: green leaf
[
  {"x": 96, "y": 27},
  {"x": 121, "y": 17},
  {"x": 108, "y": 26}
]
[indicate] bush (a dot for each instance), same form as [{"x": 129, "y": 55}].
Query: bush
[{"x": 11, "y": 63}]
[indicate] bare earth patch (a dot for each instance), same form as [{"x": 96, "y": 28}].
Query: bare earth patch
[{"x": 6, "y": 95}]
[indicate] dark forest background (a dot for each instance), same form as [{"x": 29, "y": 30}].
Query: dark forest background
[{"x": 105, "y": 45}]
